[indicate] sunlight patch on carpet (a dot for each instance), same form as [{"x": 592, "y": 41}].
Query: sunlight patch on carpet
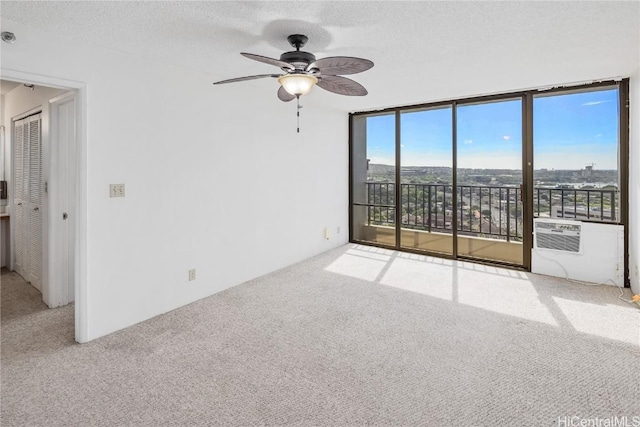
[{"x": 605, "y": 320}]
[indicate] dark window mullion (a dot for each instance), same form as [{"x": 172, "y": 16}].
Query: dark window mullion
[{"x": 398, "y": 186}]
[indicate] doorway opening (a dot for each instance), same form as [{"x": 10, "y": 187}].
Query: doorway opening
[{"x": 43, "y": 240}]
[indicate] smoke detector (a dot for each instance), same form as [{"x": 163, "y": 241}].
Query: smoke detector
[{"x": 8, "y": 37}]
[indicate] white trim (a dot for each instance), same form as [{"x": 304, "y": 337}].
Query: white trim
[
  {"x": 11, "y": 199},
  {"x": 81, "y": 303},
  {"x": 61, "y": 97},
  {"x": 81, "y": 316},
  {"x": 54, "y": 82}
]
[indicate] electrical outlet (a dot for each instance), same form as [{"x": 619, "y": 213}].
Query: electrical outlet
[
  {"x": 116, "y": 190},
  {"x": 192, "y": 274},
  {"x": 326, "y": 233}
]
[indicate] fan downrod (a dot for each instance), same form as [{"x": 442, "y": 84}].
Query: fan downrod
[{"x": 297, "y": 40}]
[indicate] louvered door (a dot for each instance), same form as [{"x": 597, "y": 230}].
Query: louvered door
[
  {"x": 28, "y": 197},
  {"x": 21, "y": 128},
  {"x": 35, "y": 196}
]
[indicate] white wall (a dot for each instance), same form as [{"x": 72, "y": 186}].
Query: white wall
[
  {"x": 216, "y": 178},
  {"x": 634, "y": 181},
  {"x": 601, "y": 259},
  {"x": 4, "y": 222},
  {"x": 3, "y": 153}
]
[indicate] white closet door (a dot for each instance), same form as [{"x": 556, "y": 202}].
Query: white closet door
[
  {"x": 21, "y": 129},
  {"x": 27, "y": 200},
  {"x": 35, "y": 196}
]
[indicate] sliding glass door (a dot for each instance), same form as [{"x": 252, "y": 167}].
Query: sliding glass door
[
  {"x": 426, "y": 180},
  {"x": 444, "y": 180},
  {"x": 489, "y": 181},
  {"x": 373, "y": 179}
]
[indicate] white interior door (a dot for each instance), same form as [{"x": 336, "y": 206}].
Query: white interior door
[
  {"x": 21, "y": 128},
  {"x": 35, "y": 199},
  {"x": 62, "y": 193},
  {"x": 28, "y": 198}
]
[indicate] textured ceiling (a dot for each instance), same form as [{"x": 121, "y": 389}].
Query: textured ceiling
[{"x": 423, "y": 51}]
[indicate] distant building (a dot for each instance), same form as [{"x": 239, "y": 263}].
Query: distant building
[{"x": 580, "y": 213}]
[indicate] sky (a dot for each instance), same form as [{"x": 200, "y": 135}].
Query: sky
[{"x": 570, "y": 132}]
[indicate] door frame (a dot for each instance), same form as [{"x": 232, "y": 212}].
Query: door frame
[{"x": 78, "y": 203}]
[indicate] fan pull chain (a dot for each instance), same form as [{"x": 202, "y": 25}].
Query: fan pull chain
[{"x": 298, "y": 111}]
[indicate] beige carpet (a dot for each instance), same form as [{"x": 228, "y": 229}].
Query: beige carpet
[{"x": 355, "y": 336}]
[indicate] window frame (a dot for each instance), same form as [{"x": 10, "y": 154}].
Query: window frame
[{"x": 528, "y": 96}]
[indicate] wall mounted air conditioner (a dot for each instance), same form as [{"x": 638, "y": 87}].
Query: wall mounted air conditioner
[
  {"x": 557, "y": 235},
  {"x": 584, "y": 251}
]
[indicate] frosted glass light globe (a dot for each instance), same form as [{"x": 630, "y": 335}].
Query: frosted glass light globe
[{"x": 297, "y": 84}]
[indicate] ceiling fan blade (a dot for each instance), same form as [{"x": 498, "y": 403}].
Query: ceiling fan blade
[
  {"x": 341, "y": 86},
  {"x": 285, "y": 96},
  {"x": 334, "y": 65},
  {"x": 268, "y": 60},
  {"x": 241, "y": 79}
]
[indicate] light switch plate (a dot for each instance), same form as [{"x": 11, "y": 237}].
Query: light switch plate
[{"x": 116, "y": 190}]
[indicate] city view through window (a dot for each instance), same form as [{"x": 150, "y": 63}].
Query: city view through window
[{"x": 575, "y": 164}]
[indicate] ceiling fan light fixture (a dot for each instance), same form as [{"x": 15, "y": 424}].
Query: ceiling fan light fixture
[{"x": 297, "y": 84}]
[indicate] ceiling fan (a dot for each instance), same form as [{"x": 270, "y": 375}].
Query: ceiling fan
[{"x": 302, "y": 71}]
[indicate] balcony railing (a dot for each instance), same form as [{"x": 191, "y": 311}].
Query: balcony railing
[
  {"x": 483, "y": 210},
  {"x": 587, "y": 204}
]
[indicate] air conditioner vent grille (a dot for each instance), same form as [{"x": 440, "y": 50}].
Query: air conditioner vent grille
[
  {"x": 558, "y": 236},
  {"x": 559, "y": 242}
]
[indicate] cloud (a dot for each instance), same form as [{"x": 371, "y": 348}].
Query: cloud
[
  {"x": 590, "y": 103},
  {"x": 468, "y": 141}
]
